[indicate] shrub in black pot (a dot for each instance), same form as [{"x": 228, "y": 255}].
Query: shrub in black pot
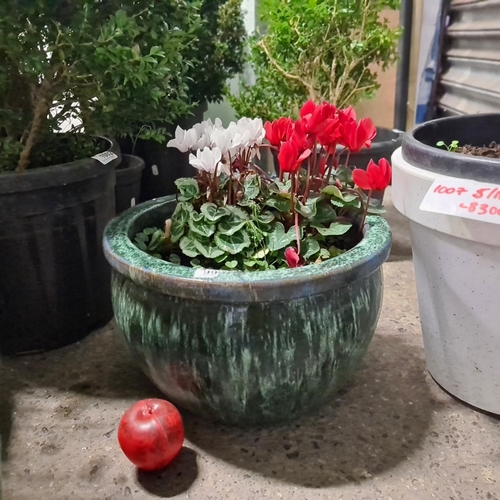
[
  {"x": 65, "y": 66},
  {"x": 214, "y": 56}
]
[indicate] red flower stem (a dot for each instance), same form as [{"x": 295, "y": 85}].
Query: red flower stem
[
  {"x": 365, "y": 211},
  {"x": 348, "y": 157},
  {"x": 308, "y": 181},
  {"x": 230, "y": 191},
  {"x": 297, "y": 232}
]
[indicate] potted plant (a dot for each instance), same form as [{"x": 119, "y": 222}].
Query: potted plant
[
  {"x": 456, "y": 249},
  {"x": 64, "y": 68},
  {"x": 250, "y": 299},
  {"x": 214, "y": 56},
  {"x": 323, "y": 50}
]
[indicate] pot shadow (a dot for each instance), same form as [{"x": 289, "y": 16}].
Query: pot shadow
[
  {"x": 369, "y": 427},
  {"x": 174, "y": 479},
  {"x": 100, "y": 365}
]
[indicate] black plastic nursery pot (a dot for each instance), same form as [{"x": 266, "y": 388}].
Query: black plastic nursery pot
[
  {"x": 55, "y": 282},
  {"x": 128, "y": 182},
  {"x": 163, "y": 166}
]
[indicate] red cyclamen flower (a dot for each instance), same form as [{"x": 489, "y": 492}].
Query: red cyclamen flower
[
  {"x": 376, "y": 177},
  {"x": 290, "y": 157},
  {"x": 315, "y": 117},
  {"x": 357, "y": 136},
  {"x": 278, "y": 130},
  {"x": 293, "y": 259}
]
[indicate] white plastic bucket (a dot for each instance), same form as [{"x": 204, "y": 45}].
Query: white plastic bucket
[{"x": 457, "y": 267}]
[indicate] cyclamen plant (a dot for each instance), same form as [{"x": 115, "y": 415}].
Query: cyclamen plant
[{"x": 234, "y": 216}]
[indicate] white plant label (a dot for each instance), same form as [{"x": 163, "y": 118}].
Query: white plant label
[
  {"x": 105, "y": 157},
  {"x": 132, "y": 202},
  {"x": 154, "y": 169},
  {"x": 206, "y": 273},
  {"x": 463, "y": 198}
]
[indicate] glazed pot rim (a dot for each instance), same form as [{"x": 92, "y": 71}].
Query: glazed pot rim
[{"x": 241, "y": 286}]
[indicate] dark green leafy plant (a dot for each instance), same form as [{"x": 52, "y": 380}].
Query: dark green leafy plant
[
  {"x": 97, "y": 64},
  {"x": 323, "y": 50},
  {"x": 218, "y": 53}
]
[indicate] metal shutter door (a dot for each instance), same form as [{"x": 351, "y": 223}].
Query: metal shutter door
[{"x": 470, "y": 78}]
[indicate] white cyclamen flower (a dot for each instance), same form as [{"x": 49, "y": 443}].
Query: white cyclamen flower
[
  {"x": 184, "y": 139},
  {"x": 222, "y": 139},
  {"x": 255, "y": 129},
  {"x": 208, "y": 160}
]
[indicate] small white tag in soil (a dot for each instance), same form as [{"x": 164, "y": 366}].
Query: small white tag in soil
[
  {"x": 463, "y": 198},
  {"x": 132, "y": 202},
  {"x": 105, "y": 157},
  {"x": 154, "y": 169},
  {"x": 206, "y": 273}
]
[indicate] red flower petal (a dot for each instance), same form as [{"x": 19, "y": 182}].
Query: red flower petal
[
  {"x": 307, "y": 109},
  {"x": 293, "y": 259},
  {"x": 361, "y": 178}
]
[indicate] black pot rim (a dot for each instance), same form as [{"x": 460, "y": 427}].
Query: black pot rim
[
  {"x": 55, "y": 175},
  {"x": 434, "y": 159},
  {"x": 238, "y": 286}
]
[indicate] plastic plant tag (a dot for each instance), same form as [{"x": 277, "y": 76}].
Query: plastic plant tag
[
  {"x": 463, "y": 198},
  {"x": 105, "y": 157},
  {"x": 154, "y": 169},
  {"x": 206, "y": 273},
  {"x": 132, "y": 202}
]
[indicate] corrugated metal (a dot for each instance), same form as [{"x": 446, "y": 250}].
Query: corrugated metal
[{"x": 470, "y": 78}]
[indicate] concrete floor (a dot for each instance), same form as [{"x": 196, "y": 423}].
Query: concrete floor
[{"x": 391, "y": 434}]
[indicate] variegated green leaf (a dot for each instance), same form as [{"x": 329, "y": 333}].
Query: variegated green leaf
[
  {"x": 212, "y": 212},
  {"x": 230, "y": 225},
  {"x": 310, "y": 247},
  {"x": 333, "y": 191},
  {"x": 234, "y": 243},
  {"x": 187, "y": 246},
  {"x": 265, "y": 217},
  {"x": 208, "y": 249},
  {"x": 238, "y": 212},
  {"x": 202, "y": 228},
  {"x": 188, "y": 189},
  {"x": 251, "y": 186},
  {"x": 335, "y": 229},
  {"x": 279, "y": 239},
  {"x": 279, "y": 203}
]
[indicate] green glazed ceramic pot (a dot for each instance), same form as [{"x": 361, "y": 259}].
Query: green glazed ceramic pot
[{"x": 245, "y": 347}]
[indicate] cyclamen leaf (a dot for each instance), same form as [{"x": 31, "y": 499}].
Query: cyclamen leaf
[
  {"x": 309, "y": 209},
  {"x": 251, "y": 186},
  {"x": 311, "y": 247},
  {"x": 187, "y": 246},
  {"x": 279, "y": 203},
  {"x": 174, "y": 259},
  {"x": 279, "y": 239},
  {"x": 238, "y": 213},
  {"x": 325, "y": 213},
  {"x": 333, "y": 191},
  {"x": 203, "y": 228},
  {"x": 335, "y": 229},
  {"x": 212, "y": 212},
  {"x": 180, "y": 217},
  {"x": 265, "y": 217},
  {"x": 231, "y": 264},
  {"x": 208, "y": 249},
  {"x": 230, "y": 226},
  {"x": 234, "y": 243},
  {"x": 188, "y": 189}
]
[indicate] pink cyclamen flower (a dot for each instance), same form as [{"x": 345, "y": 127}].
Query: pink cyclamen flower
[{"x": 293, "y": 259}]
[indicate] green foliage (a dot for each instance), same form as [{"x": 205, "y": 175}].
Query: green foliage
[
  {"x": 241, "y": 237},
  {"x": 113, "y": 65},
  {"x": 219, "y": 50},
  {"x": 324, "y": 50},
  {"x": 453, "y": 146}
]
